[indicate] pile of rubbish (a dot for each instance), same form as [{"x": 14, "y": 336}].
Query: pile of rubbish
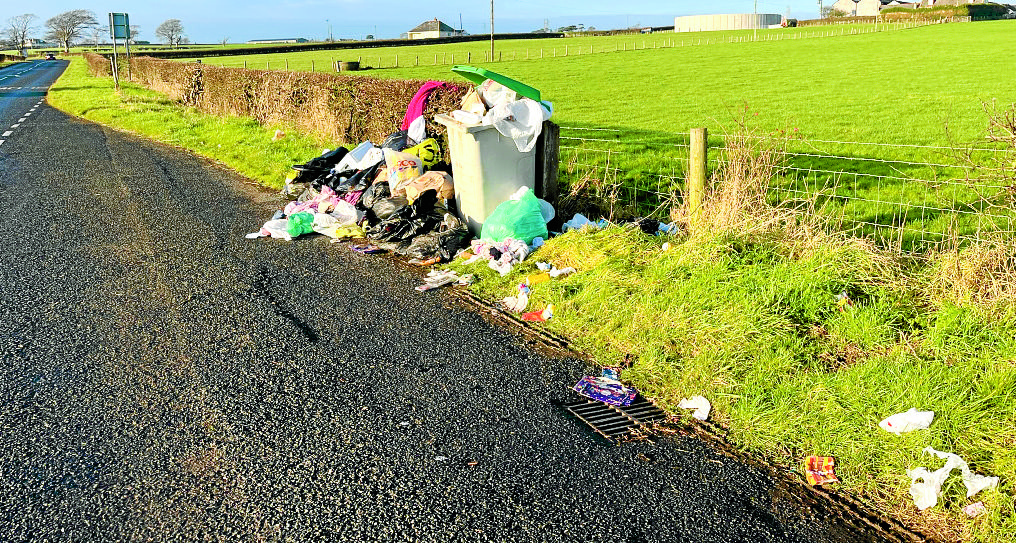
[{"x": 400, "y": 195}]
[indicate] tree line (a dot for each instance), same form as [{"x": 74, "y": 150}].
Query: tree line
[{"x": 78, "y": 26}]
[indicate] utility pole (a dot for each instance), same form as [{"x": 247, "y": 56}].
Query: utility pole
[
  {"x": 820, "y": 6},
  {"x": 755, "y": 23},
  {"x": 492, "y": 30}
]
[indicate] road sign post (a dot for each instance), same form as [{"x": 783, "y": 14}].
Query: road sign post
[{"x": 119, "y": 28}]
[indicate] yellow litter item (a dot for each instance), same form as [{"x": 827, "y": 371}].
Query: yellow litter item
[
  {"x": 537, "y": 278},
  {"x": 428, "y": 150}
]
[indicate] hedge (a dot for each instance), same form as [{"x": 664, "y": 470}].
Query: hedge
[{"x": 340, "y": 108}]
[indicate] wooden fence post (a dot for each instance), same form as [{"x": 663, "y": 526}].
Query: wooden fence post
[{"x": 698, "y": 156}]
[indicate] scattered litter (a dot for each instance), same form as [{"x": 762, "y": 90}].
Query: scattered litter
[
  {"x": 666, "y": 246},
  {"x": 502, "y": 255},
  {"x": 369, "y": 249},
  {"x": 539, "y": 316},
  {"x": 820, "y": 470},
  {"x": 606, "y": 388},
  {"x": 439, "y": 278},
  {"x": 925, "y": 492},
  {"x": 843, "y": 301},
  {"x": 907, "y": 421},
  {"x": 975, "y": 510},
  {"x": 517, "y": 304},
  {"x": 537, "y": 278},
  {"x": 441, "y": 458},
  {"x": 699, "y": 404},
  {"x": 555, "y": 273},
  {"x": 279, "y": 134},
  {"x": 405, "y": 424}
]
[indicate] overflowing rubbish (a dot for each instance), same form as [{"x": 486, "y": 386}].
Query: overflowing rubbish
[
  {"x": 699, "y": 404},
  {"x": 520, "y": 217},
  {"x": 927, "y": 485},
  {"x": 606, "y": 388},
  {"x": 820, "y": 470},
  {"x": 907, "y": 421}
]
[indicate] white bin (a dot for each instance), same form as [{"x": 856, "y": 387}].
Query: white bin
[{"x": 487, "y": 169}]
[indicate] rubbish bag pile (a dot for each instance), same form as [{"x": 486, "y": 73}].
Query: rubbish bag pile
[{"x": 397, "y": 194}]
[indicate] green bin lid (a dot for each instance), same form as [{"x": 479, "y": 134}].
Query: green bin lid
[{"x": 479, "y": 75}]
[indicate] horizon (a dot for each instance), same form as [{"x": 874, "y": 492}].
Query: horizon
[{"x": 357, "y": 19}]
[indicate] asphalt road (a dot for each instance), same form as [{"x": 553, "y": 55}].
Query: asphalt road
[{"x": 164, "y": 378}]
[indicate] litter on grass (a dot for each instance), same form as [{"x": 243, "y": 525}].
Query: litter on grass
[
  {"x": 699, "y": 404},
  {"x": 908, "y": 421},
  {"x": 820, "y": 470},
  {"x": 927, "y": 485}
]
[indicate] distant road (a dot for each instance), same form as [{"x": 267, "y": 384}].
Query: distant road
[{"x": 165, "y": 379}]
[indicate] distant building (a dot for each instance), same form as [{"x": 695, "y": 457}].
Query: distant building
[
  {"x": 738, "y": 21},
  {"x": 871, "y": 8},
  {"x": 280, "y": 40},
  {"x": 432, "y": 29}
]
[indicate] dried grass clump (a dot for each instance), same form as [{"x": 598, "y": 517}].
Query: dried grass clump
[
  {"x": 738, "y": 200},
  {"x": 983, "y": 273}
]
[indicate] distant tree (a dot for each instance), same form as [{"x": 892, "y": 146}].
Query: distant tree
[
  {"x": 829, "y": 12},
  {"x": 135, "y": 32},
  {"x": 68, "y": 26},
  {"x": 96, "y": 34},
  {"x": 19, "y": 29},
  {"x": 369, "y": 37},
  {"x": 171, "y": 32},
  {"x": 225, "y": 41}
]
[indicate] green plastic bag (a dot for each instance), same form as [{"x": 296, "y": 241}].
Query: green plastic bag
[
  {"x": 301, "y": 223},
  {"x": 519, "y": 218}
]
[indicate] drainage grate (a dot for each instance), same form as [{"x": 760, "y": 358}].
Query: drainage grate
[{"x": 616, "y": 422}]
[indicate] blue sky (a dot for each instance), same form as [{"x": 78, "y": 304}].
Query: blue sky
[{"x": 210, "y": 21}]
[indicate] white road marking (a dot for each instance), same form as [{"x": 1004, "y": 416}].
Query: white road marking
[
  {"x": 8, "y": 133},
  {"x": 27, "y": 114},
  {"x": 15, "y": 125},
  {"x": 2, "y": 142},
  {"x": 21, "y": 120}
]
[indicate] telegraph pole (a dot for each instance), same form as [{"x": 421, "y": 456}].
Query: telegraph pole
[
  {"x": 492, "y": 30},
  {"x": 754, "y": 24}
]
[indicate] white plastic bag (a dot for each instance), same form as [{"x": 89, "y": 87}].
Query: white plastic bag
[
  {"x": 402, "y": 167},
  {"x": 493, "y": 94},
  {"x": 277, "y": 228},
  {"x": 907, "y": 421},
  {"x": 521, "y": 120},
  {"x": 699, "y": 404},
  {"x": 925, "y": 492}
]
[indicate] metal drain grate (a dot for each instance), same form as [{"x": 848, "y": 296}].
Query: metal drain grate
[{"x": 616, "y": 422}]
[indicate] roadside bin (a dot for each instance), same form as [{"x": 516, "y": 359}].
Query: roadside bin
[{"x": 487, "y": 167}]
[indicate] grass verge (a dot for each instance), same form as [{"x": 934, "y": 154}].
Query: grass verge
[
  {"x": 240, "y": 143},
  {"x": 745, "y": 313}
]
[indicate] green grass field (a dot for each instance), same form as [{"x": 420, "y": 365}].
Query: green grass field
[{"x": 901, "y": 87}]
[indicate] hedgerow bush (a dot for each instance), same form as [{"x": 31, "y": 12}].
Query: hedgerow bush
[{"x": 346, "y": 109}]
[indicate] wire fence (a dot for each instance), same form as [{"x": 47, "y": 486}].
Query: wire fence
[{"x": 905, "y": 196}]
